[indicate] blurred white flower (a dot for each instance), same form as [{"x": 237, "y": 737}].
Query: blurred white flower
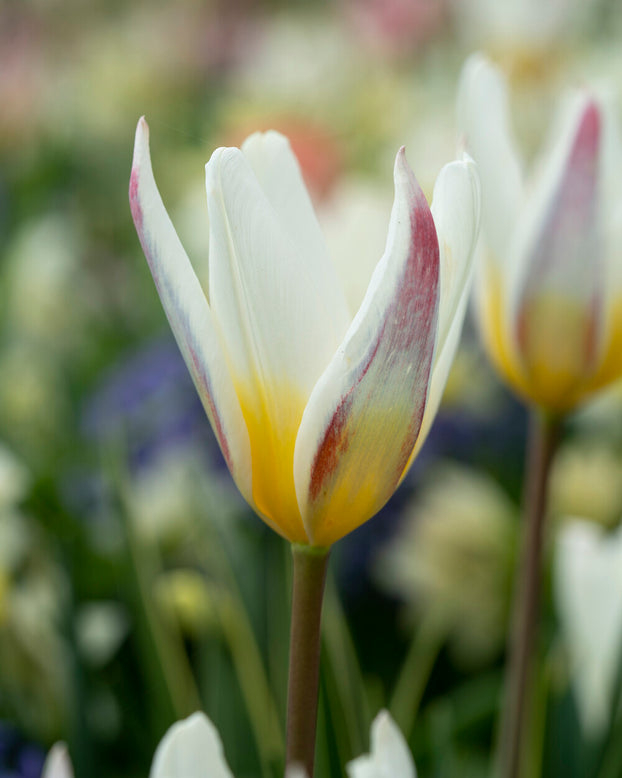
[
  {"x": 354, "y": 223},
  {"x": 588, "y": 594},
  {"x": 298, "y": 54},
  {"x": 58, "y": 764},
  {"x": 14, "y": 479},
  {"x": 549, "y": 291},
  {"x": 162, "y": 497},
  {"x": 586, "y": 481},
  {"x": 100, "y": 629},
  {"x": 184, "y": 596},
  {"x": 41, "y": 273},
  {"x": 192, "y": 748},
  {"x": 33, "y": 396},
  {"x": 389, "y": 756},
  {"x": 522, "y": 27},
  {"x": 460, "y": 527}
]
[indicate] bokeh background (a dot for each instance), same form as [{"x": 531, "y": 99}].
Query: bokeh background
[{"x": 135, "y": 584}]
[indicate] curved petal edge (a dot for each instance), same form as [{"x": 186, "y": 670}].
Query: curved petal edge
[
  {"x": 188, "y": 312},
  {"x": 364, "y": 414}
]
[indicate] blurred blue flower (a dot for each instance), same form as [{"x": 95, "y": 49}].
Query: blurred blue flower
[
  {"x": 18, "y": 757},
  {"x": 150, "y": 403}
]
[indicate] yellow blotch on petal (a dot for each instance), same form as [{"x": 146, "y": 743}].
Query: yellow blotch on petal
[
  {"x": 610, "y": 363},
  {"x": 363, "y": 478},
  {"x": 557, "y": 349},
  {"x": 272, "y": 419},
  {"x": 494, "y": 332}
]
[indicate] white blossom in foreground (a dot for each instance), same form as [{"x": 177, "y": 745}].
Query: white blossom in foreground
[
  {"x": 192, "y": 748},
  {"x": 588, "y": 593},
  {"x": 319, "y": 408},
  {"x": 389, "y": 756},
  {"x": 58, "y": 764}
]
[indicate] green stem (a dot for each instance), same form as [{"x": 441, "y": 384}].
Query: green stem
[
  {"x": 310, "y": 565},
  {"x": 543, "y": 440},
  {"x": 415, "y": 671},
  {"x": 251, "y": 676}
]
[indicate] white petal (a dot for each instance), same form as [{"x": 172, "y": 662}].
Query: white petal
[
  {"x": 276, "y": 320},
  {"x": 611, "y": 197},
  {"x": 588, "y": 592},
  {"x": 269, "y": 302},
  {"x": 389, "y": 757},
  {"x": 295, "y": 771},
  {"x": 364, "y": 414},
  {"x": 354, "y": 222},
  {"x": 188, "y": 312},
  {"x": 191, "y": 748},
  {"x": 558, "y": 252},
  {"x": 456, "y": 211},
  {"x": 280, "y": 179},
  {"x": 57, "y": 764},
  {"x": 484, "y": 119}
]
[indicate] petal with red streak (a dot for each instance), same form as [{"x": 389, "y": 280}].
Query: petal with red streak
[
  {"x": 364, "y": 414},
  {"x": 188, "y": 312}
]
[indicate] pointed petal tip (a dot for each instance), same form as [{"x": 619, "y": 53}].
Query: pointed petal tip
[
  {"x": 590, "y": 121},
  {"x": 141, "y": 139}
]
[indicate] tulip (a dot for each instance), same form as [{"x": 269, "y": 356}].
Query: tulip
[
  {"x": 192, "y": 748},
  {"x": 550, "y": 282},
  {"x": 58, "y": 764},
  {"x": 549, "y": 300},
  {"x": 389, "y": 753},
  {"x": 319, "y": 409},
  {"x": 588, "y": 595}
]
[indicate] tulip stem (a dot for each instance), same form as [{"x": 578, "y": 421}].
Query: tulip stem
[
  {"x": 544, "y": 437},
  {"x": 310, "y": 565}
]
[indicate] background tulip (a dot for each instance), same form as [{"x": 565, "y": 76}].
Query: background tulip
[{"x": 549, "y": 290}]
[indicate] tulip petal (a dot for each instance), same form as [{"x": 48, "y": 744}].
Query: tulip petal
[
  {"x": 276, "y": 320},
  {"x": 188, "y": 312},
  {"x": 484, "y": 118},
  {"x": 363, "y": 417},
  {"x": 456, "y": 211},
  {"x": 588, "y": 587},
  {"x": 389, "y": 757},
  {"x": 57, "y": 764},
  {"x": 555, "y": 298},
  {"x": 191, "y": 748},
  {"x": 278, "y": 173},
  {"x": 610, "y": 361}
]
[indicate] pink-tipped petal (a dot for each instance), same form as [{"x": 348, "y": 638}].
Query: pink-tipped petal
[
  {"x": 188, "y": 312},
  {"x": 456, "y": 211},
  {"x": 363, "y": 418},
  {"x": 556, "y": 298}
]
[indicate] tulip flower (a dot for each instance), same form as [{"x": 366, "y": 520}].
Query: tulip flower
[
  {"x": 389, "y": 753},
  {"x": 192, "y": 748},
  {"x": 550, "y": 283},
  {"x": 549, "y": 303},
  {"x": 319, "y": 409},
  {"x": 319, "y": 406},
  {"x": 588, "y": 594},
  {"x": 58, "y": 764}
]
